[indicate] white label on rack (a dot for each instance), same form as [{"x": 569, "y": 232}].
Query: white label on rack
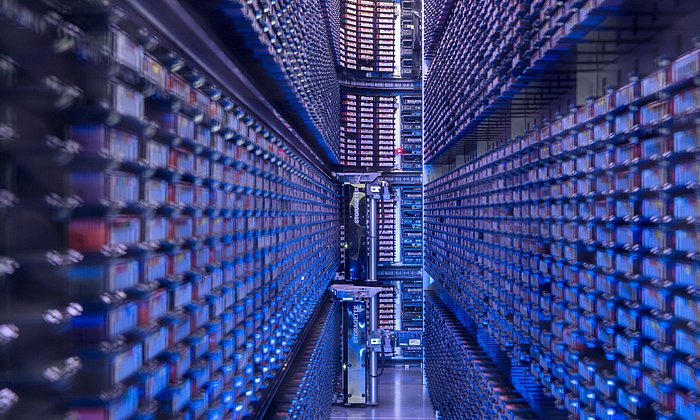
[
  {"x": 123, "y": 187},
  {"x": 156, "y": 229},
  {"x": 124, "y": 230},
  {"x": 123, "y": 145},
  {"x": 127, "y": 101},
  {"x": 157, "y": 154},
  {"x": 127, "y": 51},
  {"x": 156, "y": 191},
  {"x": 123, "y": 275},
  {"x": 127, "y": 363}
]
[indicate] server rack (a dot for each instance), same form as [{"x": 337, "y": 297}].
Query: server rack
[
  {"x": 495, "y": 66},
  {"x": 381, "y": 127},
  {"x": 409, "y": 35},
  {"x": 386, "y": 231},
  {"x": 367, "y": 36},
  {"x": 456, "y": 361},
  {"x": 367, "y": 130},
  {"x": 308, "y": 390},
  {"x": 411, "y": 226},
  {"x": 386, "y": 307},
  {"x": 411, "y": 133},
  {"x": 265, "y": 38},
  {"x": 569, "y": 247},
  {"x": 165, "y": 245}
]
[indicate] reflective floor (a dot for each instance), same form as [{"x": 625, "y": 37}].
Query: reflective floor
[{"x": 401, "y": 396}]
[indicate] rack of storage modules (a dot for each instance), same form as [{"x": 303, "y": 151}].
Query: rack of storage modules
[
  {"x": 367, "y": 36},
  {"x": 309, "y": 390},
  {"x": 386, "y": 308},
  {"x": 407, "y": 300},
  {"x": 298, "y": 69},
  {"x": 411, "y": 133},
  {"x": 503, "y": 48},
  {"x": 412, "y": 225},
  {"x": 411, "y": 34},
  {"x": 458, "y": 371},
  {"x": 575, "y": 247},
  {"x": 350, "y": 133},
  {"x": 170, "y": 246},
  {"x": 341, "y": 265},
  {"x": 367, "y": 130},
  {"x": 435, "y": 19},
  {"x": 407, "y": 33},
  {"x": 386, "y": 230},
  {"x": 381, "y": 130},
  {"x": 412, "y": 313}
]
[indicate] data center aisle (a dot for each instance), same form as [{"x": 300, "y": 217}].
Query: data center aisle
[{"x": 401, "y": 396}]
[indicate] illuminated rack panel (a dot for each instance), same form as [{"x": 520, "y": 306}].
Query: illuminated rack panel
[
  {"x": 341, "y": 268},
  {"x": 367, "y": 35},
  {"x": 486, "y": 66},
  {"x": 291, "y": 42},
  {"x": 386, "y": 225},
  {"x": 386, "y": 306},
  {"x": 577, "y": 246},
  {"x": 411, "y": 253},
  {"x": 408, "y": 294},
  {"x": 367, "y": 130},
  {"x": 411, "y": 225},
  {"x": 412, "y": 305},
  {"x": 411, "y": 132},
  {"x": 309, "y": 389},
  {"x": 462, "y": 379},
  {"x": 170, "y": 247},
  {"x": 476, "y": 70},
  {"x": 412, "y": 313},
  {"x": 410, "y": 38}
]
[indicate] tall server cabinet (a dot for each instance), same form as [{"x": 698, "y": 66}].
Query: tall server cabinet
[{"x": 379, "y": 63}]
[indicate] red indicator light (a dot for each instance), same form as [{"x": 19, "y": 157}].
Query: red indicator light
[{"x": 399, "y": 150}]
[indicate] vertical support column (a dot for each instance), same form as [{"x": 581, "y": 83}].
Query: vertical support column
[
  {"x": 372, "y": 388},
  {"x": 373, "y": 248}
]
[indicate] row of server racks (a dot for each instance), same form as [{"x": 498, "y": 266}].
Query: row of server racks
[
  {"x": 165, "y": 238},
  {"x": 381, "y": 132},
  {"x": 367, "y": 34},
  {"x": 561, "y": 209}
]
